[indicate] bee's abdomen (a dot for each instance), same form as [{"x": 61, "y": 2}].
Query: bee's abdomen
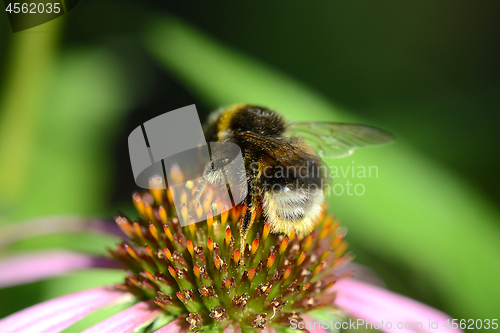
[
  {"x": 293, "y": 210},
  {"x": 293, "y": 215}
]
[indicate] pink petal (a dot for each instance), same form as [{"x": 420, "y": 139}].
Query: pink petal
[
  {"x": 179, "y": 325},
  {"x": 312, "y": 325},
  {"x": 360, "y": 273},
  {"x": 127, "y": 320},
  {"x": 15, "y": 232},
  {"x": 24, "y": 268},
  {"x": 57, "y": 314},
  {"x": 374, "y": 304}
]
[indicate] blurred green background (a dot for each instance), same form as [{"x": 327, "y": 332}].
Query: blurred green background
[{"x": 429, "y": 225}]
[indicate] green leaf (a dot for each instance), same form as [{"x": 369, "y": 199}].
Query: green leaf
[
  {"x": 19, "y": 297},
  {"x": 67, "y": 166},
  {"x": 85, "y": 242}
]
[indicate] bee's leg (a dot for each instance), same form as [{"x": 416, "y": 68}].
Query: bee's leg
[
  {"x": 249, "y": 215},
  {"x": 246, "y": 223}
]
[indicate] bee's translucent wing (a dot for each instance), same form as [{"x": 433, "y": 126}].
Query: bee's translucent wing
[{"x": 335, "y": 140}]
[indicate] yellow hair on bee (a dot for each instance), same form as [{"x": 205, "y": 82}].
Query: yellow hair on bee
[
  {"x": 222, "y": 118},
  {"x": 285, "y": 215}
]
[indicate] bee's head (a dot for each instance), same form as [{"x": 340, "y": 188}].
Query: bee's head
[{"x": 258, "y": 120}]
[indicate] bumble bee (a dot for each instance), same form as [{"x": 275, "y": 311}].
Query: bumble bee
[{"x": 284, "y": 170}]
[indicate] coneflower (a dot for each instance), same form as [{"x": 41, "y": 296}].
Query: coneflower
[
  {"x": 196, "y": 277},
  {"x": 198, "y": 272}
]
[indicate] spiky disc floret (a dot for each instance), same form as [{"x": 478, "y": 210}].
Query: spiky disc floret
[{"x": 198, "y": 271}]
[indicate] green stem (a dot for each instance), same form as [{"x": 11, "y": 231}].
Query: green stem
[{"x": 31, "y": 59}]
